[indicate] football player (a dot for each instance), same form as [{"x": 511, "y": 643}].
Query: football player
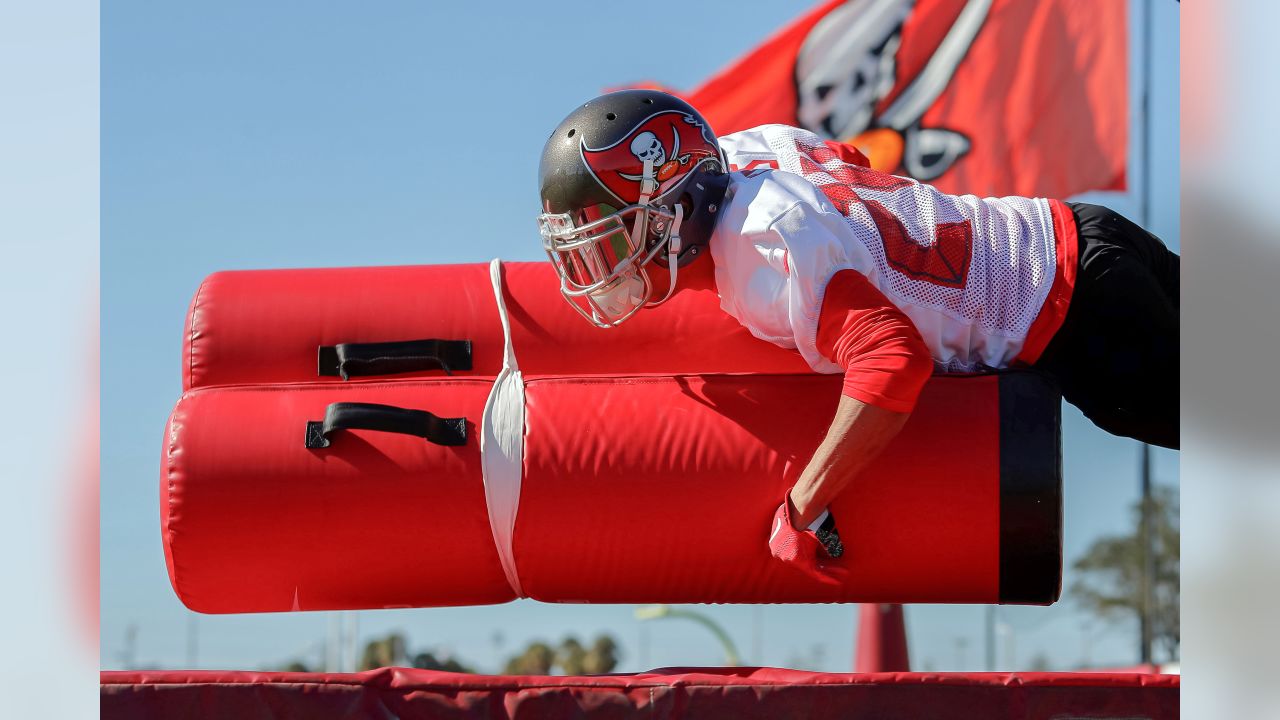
[{"x": 879, "y": 277}]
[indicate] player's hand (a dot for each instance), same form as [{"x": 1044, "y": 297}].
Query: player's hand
[{"x": 809, "y": 551}]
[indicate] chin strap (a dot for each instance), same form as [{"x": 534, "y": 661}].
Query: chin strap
[
  {"x": 674, "y": 245},
  {"x": 640, "y": 228},
  {"x": 648, "y": 186}
]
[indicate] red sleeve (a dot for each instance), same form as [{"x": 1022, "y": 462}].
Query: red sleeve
[{"x": 885, "y": 360}]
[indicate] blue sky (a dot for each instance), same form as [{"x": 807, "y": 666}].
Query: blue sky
[{"x": 297, "y": 134}]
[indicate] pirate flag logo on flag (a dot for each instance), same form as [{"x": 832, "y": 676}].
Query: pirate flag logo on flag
[
  {"x": 848, "y": 88},
  {"x": 996, "y": 97}
]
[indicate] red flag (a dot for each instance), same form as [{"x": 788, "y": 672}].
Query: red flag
[{"x": 993, "y": 97}]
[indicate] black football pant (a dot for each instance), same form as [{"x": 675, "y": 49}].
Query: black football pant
[{"x": 1116, "y": 354}]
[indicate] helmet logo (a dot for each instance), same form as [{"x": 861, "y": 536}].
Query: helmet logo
[
  {"x": 673, "y": 142},
  {"x": 646, "y": 146}
]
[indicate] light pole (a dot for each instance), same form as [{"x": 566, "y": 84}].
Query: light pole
[
  {"x": 1145, "y": 525},
  {"x": 655, "y": 612}
]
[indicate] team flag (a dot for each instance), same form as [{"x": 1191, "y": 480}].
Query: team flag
[{"x": 992, "y": 97}]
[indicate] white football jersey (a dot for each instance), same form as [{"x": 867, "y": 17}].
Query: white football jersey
[{"x": 971, "y": 273}]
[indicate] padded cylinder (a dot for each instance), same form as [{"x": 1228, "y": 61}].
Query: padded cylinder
[
  {"x": 635, "y": 489},
  {"x": 266, "y": 325},
  {"x": 253, "y": 520}
]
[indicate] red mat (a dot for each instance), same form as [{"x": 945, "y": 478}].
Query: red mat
[{"x": 666, "y": 693}]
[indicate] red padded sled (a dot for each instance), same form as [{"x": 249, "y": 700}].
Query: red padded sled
[
  {"x": 626, "y": 480},
  {"x": 267, "y": 325},
  {"x": 634, "y": 490}
]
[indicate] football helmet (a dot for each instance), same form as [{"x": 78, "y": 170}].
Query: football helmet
[{"x": 622, "y": 178}]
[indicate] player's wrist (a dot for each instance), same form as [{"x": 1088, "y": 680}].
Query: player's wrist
[{"x": 803, "y": 508}]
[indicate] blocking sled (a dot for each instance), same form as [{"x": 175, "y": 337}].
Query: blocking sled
[{"x": 471, "y": 455}]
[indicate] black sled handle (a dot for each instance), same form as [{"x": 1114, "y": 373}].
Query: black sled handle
[
  {"x": 385, "y": 418},
  {"x": 346, "y": 360}
]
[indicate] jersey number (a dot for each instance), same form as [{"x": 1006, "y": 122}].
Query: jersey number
[
  {"x": 945, "y": 262},
  {"x": 755, "y": 167}
]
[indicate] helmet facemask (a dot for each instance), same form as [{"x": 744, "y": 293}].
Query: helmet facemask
[
  {"x": 618, "y": 177},
  {"x": 601, "y": 261}
]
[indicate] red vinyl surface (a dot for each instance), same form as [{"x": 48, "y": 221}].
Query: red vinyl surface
[
  {"x": 655, "y": 454},
  {"x": 254, "y": 521},
  {"x": 666, "y": 693},
  {"x": 652, "y": 489},
  {"x": 265, "y": 325},
  {"x": 673, "y": 482}
]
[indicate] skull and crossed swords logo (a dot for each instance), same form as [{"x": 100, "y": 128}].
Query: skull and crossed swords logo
[
  {"x": 847, "y": 66},
  {"x": 647, "y": 147},
  {"x": 673, "y": 143}
]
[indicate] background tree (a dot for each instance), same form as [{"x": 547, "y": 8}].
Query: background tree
[
  {"x": 602, "y": 657},
  {"x": 1108, "y": 579},
  {"x": 429, "y": 661},
  {"x": 392, "y": 650},
  {"x": 383, "y": 652},
  {"x": 1040, "y": 663},
  {"x": 536, "y": 659},
  {"x": 569, "y": 657}
]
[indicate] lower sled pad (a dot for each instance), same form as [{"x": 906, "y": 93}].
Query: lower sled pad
[{"x": 633, "y": 490}]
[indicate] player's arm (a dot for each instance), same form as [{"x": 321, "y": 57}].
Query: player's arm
[
  {"x": 857, "y": 435},
  {"x": 886, "y": 364}
]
